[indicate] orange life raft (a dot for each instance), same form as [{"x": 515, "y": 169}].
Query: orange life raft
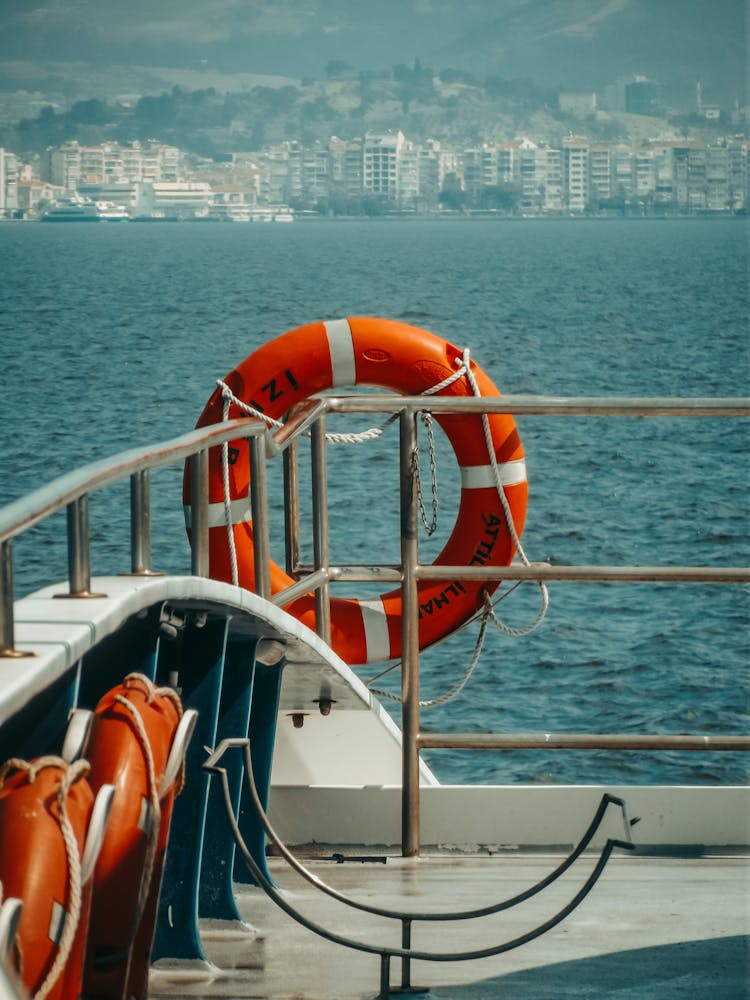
[
  {"x": 45, "y": 810},
  {"x": 404, "y": 359},
  {"x": 132, "y": 732}
]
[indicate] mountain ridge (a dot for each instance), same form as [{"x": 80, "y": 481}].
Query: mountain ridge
[{"x": 562, "y": 44}]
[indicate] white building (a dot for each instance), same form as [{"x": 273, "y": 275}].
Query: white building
[
  {"x": 381, "y": 156},
  {"x": 576, "y": 167},
  {"x": 183, "y": 199},
  {"x": 9, "y": 176},
  {"x": 71, "y": 164}
]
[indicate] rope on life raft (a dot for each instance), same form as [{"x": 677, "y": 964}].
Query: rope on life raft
[
  {"x": 487, "y": 614},
  {"x": 151, "y": 691}
]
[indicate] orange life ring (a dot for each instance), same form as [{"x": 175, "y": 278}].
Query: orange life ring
[
  {"x": 406, "y": 359},
  {"x": 35, "y": 867},
  {"x": 131, "y": 735}
]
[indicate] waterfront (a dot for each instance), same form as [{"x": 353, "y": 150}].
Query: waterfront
[{"x": 115, "y": 335}]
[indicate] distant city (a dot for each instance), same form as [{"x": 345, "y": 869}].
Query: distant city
[
  {"x": 679, "y": 170},
  {"x": 383, "y": 173}
]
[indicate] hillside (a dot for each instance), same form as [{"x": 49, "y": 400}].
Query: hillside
[{"x": 450, "y": 105}]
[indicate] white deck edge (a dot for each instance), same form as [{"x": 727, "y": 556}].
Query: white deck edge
[{"x": 502, "y": 817}]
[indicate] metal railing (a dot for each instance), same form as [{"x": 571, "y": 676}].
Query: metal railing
[
  {"x": 411, "y": 572},
  {"x": 72, "y": 491}
]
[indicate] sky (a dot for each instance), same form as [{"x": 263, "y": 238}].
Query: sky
[{"x": 568, "y": 43}]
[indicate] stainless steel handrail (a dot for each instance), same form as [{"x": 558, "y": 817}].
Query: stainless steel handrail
[
  {"x": 562, "y": 406},
  {"x": 71, "y": 492},
  {"x": 578, "y": 741},
  {"x": 21, "y": 514}
]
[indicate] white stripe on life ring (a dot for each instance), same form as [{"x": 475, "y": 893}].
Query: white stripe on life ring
[
  {"x": 239, "y": 511},
  {"x": 341, "y": 349},
  {"x": 479, "y": 477},
  {"x": 377, "y": 641}
]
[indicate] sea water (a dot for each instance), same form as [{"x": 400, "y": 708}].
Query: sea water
[{"x": 113, "y": 336}]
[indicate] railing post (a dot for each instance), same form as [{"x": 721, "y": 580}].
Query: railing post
[
  {"x": 291, "y": 508},
  {"x": 199, "y": 513},
  {"x": 259, "y": 513},
  {"x": 79, "y": 549},
  {"x": 7, "y": 638},
  {"x": 409, "y": 638},
  {"x": 321, "y": 555},
  {"x": 140, "y": 524}
]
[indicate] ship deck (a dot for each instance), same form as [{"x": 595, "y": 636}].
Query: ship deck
[{"x": 653, "y": 928}]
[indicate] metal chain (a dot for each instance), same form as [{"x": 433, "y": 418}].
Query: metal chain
[{"x": 432, "y": 525}]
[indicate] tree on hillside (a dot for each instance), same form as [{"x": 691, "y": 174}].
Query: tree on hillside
[
  {"x": 34, "y": 135},
  {"x": 93, "y": 112}
]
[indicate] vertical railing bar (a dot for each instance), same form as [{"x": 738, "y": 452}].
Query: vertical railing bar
[
  {"x": 6, "y": 596},
  {"x": 321, "y": 554},
  {"x": 140, "y": 523},
  {"x": 79, "y": 553},
  {"x": 199, "y": 562},
  {"x": 291, "y": 508},
  {"x": 409, "y": 638},
  {"x": 259, "y": 514},
  {"x": 405, "y": 961},
  {"x": 7, "y": 637},
  {"x": 385, "y": 976}
]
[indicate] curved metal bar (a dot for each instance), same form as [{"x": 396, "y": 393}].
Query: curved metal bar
[
  {"x": 428, "y": 956},
  {"x": 21, "y": 514},
  {"x": 622, "y": 406},
  {"x": 482, "y": 911}
]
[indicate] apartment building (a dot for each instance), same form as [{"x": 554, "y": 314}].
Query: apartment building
[
  {"x": 576, "y": 173},
  {"x": 601, "y": 175},
  {"x": 381, "y": 163},
  {"x": 435, "y": 163},
  {"x": 479, "y": 168},
  {"x": 70, "y": 165},
  {"x": 10, "y": 173},
  {"x": 345, "y": 156}
]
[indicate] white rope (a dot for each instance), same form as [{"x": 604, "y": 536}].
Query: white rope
[
  {"x": 72, "y": 774},
  {"x": 371, "y": 434},
  {"x": 333, "y": 438},
  {"x": 452, "y": 692},
  {"x": 153, "y": 793},
  {"x": 227, "y": 500},
  {"x": 251, "y": 411},
  {"x": 465, "y": 368}
]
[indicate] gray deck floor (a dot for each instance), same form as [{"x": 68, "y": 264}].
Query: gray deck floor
[{"x": 652, "y": 929}]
